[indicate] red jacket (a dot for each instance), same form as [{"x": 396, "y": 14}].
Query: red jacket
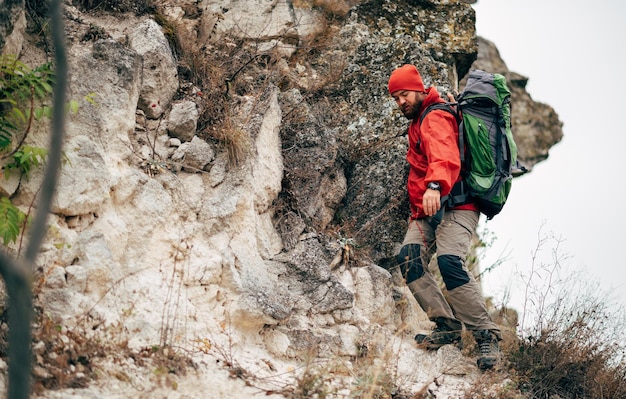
[{"x": 433, "y": 154}]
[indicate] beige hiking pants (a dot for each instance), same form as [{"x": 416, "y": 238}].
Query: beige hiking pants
[{"x": 465, "y": 303}]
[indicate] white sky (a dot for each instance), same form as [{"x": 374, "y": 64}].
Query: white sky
[{"x": 573, "y": 52}]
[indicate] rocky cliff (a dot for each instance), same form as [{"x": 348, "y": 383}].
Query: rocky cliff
[{"x": 233, "y": 198}]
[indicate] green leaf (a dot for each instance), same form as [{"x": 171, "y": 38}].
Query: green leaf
[
  {"x": 73, "y": 106},
  {"x": 90, "y": 98},
  {"x": 39, "y": 93},
  {"x": 46, "y": 87},
  {"x": 8, "y": 101},
  {"x": 19, "y": 114},
  {"x": 11, "y": 219},
  {"x": 25, "y": 159},
  {"x": 39, "y": 113},
  {"x": 47, "y": 111}
]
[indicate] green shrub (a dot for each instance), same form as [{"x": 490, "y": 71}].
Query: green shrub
[{"x": 22, "y": 91}]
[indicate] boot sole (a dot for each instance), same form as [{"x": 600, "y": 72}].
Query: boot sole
[
  {"x": 434, "y": 346},
  {"x": 486, "y": 363}
]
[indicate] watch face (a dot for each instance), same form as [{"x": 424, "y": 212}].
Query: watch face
[{"x": 434, "y": 186}]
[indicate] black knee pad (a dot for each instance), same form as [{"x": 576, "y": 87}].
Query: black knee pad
[
  {"x": 410, "y": 262},
  {"x": 451, "y": 268}
]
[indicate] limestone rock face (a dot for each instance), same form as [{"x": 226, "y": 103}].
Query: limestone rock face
[
  {"x": 266, "y": 240},
  {"x": 12, "y": 26},
  {"x": 159, "y": 73},
  {"x": 183, "y": 120}
]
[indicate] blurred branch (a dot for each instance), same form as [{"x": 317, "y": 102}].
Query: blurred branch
[{"x": 17, "y": 274}]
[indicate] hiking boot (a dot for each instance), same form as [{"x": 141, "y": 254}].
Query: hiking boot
[
  {"x": 441, "y": 335},
  {"x": 489, "y": 350}
]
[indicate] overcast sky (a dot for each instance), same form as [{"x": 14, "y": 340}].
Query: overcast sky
[{"x": 573, "y": 53}]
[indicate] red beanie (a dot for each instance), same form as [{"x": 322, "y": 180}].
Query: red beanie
[{"x": 405, "y": 78}]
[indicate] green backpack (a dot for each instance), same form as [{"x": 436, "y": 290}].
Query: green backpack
[{"x": 488, "y": 151}]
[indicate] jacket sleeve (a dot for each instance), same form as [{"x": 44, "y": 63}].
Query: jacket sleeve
[{"x": 440, "y": 132}]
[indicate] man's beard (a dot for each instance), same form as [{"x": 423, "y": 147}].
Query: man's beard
[{"x": 411, "y": 112}]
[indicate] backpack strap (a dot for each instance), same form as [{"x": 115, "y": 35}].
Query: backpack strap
[
  {"x": 443, "y": 106},
  {"x": 459, "y": 194},
  {"x": 448, "y": 106}
]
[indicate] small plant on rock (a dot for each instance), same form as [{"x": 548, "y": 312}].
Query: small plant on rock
[{"x": 22, "y": 94}]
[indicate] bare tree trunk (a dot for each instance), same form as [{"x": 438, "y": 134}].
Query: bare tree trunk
[
  {"x": 16, "y": 274},
  {"x": 17, "y": 281}
]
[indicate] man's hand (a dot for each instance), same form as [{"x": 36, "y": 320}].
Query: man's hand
[{"x": 431, "y": 202}]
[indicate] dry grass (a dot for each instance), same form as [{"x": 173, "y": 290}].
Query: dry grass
[
  {"x": 571, "y": 340},
  {"x": 138, "y": 7},
  {"x": 579, "y": 352},
  {"x": 216, "y": 68},
  {"x": 372, "y": 373},
  {"x": 339, "y": 8},
  {"x": 64, "y": 358},
  {"x": 74, "y": 357},
  {"x": 235, "y": 141}
]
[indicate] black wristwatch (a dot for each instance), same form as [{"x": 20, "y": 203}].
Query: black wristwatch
[{"x": 433, "y": 185}]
